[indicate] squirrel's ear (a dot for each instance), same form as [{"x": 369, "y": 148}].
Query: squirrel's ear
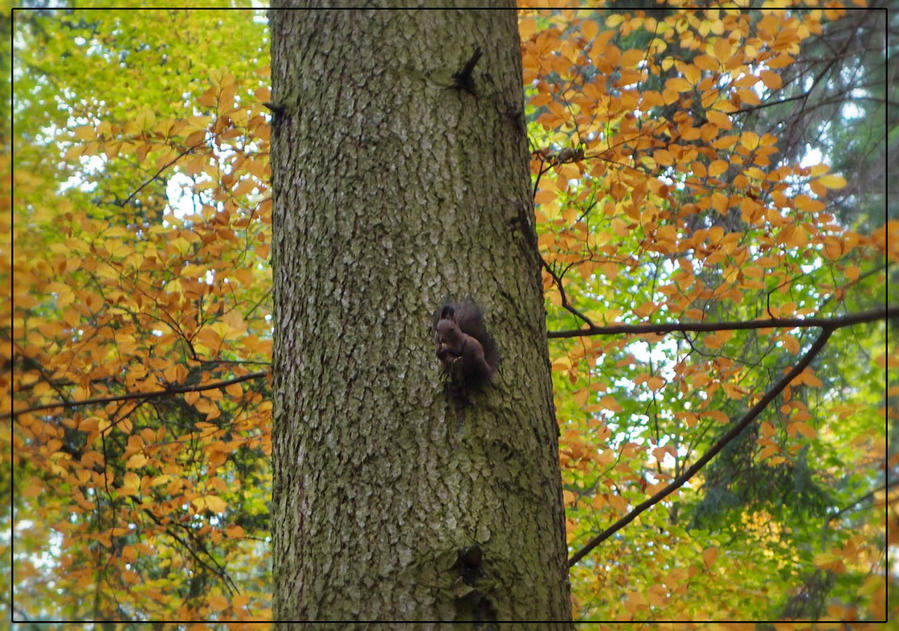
[{"x": 447, "y": 313}]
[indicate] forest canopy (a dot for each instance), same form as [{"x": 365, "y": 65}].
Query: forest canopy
[{"x": 710, "y": 202}]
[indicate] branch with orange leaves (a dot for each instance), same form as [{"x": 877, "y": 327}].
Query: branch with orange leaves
[
  {"x": 154, "y": 394},
  {"x": 748, "y": 418}
]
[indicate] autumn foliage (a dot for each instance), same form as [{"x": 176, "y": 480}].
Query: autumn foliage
[{"x": 140, "y": 326}]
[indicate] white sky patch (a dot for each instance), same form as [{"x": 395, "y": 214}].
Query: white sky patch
[
  {"x": 811, "y": 157},
  {"x": 180, "y": 195}
]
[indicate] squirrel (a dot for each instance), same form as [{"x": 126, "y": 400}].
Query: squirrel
[{"x": 464, "y": 347}]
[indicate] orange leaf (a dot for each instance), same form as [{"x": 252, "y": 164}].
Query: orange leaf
[
  {"x": 780, "y": 61},
  {"x": 663, "y": 157},
  {"x": 630, "y": 58},
  {"x": 803, "y": 428},
  {"x": 771, "y": 80},
  {"x": 678, "y": 84},
  {"x": 218, "y": 602},
  {"x": 544, "y": 197},
  {"x": 720, "y": 119},
  {"x": 721, "y": 49},
  {"x": 717, "y": 167},
  {"x": 136, "y": 461},
  {"x": 791, "y": 343},
  {"x": 768, "y": 451},
  {"x": 706, "y": 62}
]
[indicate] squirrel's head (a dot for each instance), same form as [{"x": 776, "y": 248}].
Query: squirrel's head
[{"x": 446, "y": 337}]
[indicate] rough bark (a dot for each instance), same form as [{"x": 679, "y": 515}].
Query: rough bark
[{"x": 396, "y": 185}]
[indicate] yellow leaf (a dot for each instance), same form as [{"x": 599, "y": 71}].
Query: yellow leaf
[
  {"x": 749, "y": 139},
  {"x": 85, "y": 132},
  {"x": 73, "y": 152},
  {"x": 832, "y": 181},
  {"x": 871, "y": 585},
  {"x": 136, "y": 461},
  {"x": 131, "y": 484},
  {"x": 160, "y": 479},
  {"x": 824, "y": 559},
  {"x": 212, "y": 502}
]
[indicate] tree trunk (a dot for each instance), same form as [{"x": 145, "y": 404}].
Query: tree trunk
[{"x": 397, "y": 184}]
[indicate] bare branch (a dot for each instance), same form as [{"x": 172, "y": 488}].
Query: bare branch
[
  {"x": 705, "y": 327},
  {"x": 138, "y": 395}
]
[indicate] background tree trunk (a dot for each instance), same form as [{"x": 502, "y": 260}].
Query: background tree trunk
[{"x": 394, "y": 188}]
